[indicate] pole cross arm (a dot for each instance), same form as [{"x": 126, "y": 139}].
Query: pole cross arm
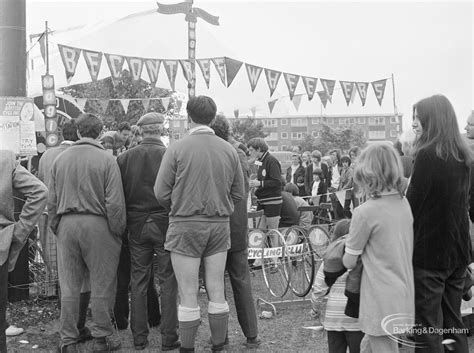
[
  {"x": 182, "y": 7},
  {"x": 206, "y": 16}
]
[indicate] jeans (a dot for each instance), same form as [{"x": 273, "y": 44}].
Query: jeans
[
  {"x": 338, "y": 341},
  {"x": 3, "y": 305},
  {"x": 143, "y": 245},
  {"x": 121, "y": 307},
  {"x": 438, "y": 305},
  {"x": 238, "y": 269},
  {"x": 86, "y": 245}
]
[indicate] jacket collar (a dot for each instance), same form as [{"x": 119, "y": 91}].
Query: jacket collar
[
  {"x": 88, "y": 141},
  {"x": 201, "y": 129},
  {"x": 152, "y": 141}
]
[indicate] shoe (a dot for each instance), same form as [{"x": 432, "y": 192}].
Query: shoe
[
  {"x": 252, "y": 343},
  {"x": 141, "y": 345},
  {"x": 84, "y": 335},
  {"x": 105, "y": 344},
  {"x": 171, "y": 347},
  {"x": 70, "y": 348},
  {"x": 12, "y": 330}
]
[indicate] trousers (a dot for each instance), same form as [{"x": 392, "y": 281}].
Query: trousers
[{"x": 86, "y": 245}]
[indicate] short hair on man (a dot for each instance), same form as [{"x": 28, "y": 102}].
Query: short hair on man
[
  {"x": 292, "y": 189},
  {"x": 89, "y": 125},
  {"x": 346, "y": 159},
  {"x": 221, "y": 127},
  {"x": 258, "y": 143},
  {"x": 124, "y": 125},
  {"x": 151, "y": 129},
  {"x": 317, "y": 155},
  {"x": 70, "y": 131},
  {"x": 201, "y": 109}
]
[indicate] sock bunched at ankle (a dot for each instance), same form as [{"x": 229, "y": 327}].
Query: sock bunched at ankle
[
  {"x": 218, "y": 322},
  {"x": 189, "y": 321}
]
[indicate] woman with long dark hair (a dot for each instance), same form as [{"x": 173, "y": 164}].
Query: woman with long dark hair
[{"x": 438, "y": 194}]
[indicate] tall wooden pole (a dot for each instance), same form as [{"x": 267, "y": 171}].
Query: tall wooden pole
[
  {"x": 395, "y": 109},
  {"x": 13, "y": 48}
]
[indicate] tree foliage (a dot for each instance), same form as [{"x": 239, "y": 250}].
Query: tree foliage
[
  {"x": 125, "y": 88},
  {"x": 246, "y": 129},
  {"x": 329, "y": 138}
]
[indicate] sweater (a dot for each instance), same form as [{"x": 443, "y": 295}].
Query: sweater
[{"x": 269, "y": 173}]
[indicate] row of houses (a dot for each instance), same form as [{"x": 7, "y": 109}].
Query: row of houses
[{"x": 284, "y": 132}]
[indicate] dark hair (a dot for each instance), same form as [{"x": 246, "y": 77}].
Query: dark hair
[
  {"x": 338, "y": 154},
  {"x": 258, "y": 143},
  {"x": 89, "y": 125},
  {"x": 70, "y": 131},
  {"x": 341, "y": 228},
  {"x": 355, "y": 150},
  {"x": 346, "y": 159},
  {"x": 440, "y": 129},
  {"x": 292, "y": 189},
  {"x": 201, "y": 109},
  {"x": 398, "y": 147},
  {"x": 317, "y": 155},
  {"x": 221, "y": 127},
  {"x": 124, "y": 125}
]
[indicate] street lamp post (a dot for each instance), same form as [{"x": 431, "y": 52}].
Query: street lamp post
[{"x": 192, "y": 13}]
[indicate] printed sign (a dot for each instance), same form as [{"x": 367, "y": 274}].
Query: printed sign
[
  {"x": 268, "y": 253},
  {"x": 17, "y": 126}
]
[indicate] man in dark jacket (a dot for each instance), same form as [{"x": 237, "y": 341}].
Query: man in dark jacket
[
  {"x": 147, "y": 223},
  {"x": 86, "y": 210}
]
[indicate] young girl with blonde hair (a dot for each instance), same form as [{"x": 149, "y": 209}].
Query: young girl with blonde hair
[{"x": 381, "y": 233}]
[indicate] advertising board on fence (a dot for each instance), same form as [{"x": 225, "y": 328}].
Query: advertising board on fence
[{"x": 17, "y": 125}]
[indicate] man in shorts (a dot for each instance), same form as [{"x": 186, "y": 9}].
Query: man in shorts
[{"x": 199, "y": 181}]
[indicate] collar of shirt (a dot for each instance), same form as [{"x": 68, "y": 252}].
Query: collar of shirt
[
  {"x": 201, "y": 129},
  {"x": 67, "y": 142},
  {"x": 152, "y": 141},
  {"x": 263, "y": 156},
  {"x": 89, "y": 141}
]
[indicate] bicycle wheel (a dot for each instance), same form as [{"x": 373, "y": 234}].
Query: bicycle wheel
[
  {"x": 275, "y": 264},
  {"x": 301, "y": 257},
  {"x": 318, "y": 237}
]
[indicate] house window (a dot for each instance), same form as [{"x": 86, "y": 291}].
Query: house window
[
  {"x": 342, "y": 121},
  {"x": 284, "y": 147},
  {"x": 298, "y": 122},
  {"x": 393, "y": 133},
  {"x": 269, "y": 122},
  {"x": 176, "y": 123},
  {"x": 284, "y": 135},
  {"x": 298, "y": 135},
  {"x": 377, "y": 135},
  {"x": 360, "y": 120},
  {"x": 273, "y": 136},
  {"x": 393, "y": 120},
  {"x": 331, "y": 121},
  {"x": 284, "y": 121},
  {"x": 351, "y": 121},
  {"x": 315, "y": 133},
  {"x": 377, "y": 120},
  {"x": 315, "y": 121}
]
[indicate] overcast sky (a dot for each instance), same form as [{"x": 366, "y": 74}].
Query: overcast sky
[{"x": 428, "y": 46}]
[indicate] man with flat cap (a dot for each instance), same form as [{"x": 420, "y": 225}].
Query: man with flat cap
[{"x": 147, "y": 223}]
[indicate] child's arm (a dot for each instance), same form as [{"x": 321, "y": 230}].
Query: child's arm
[
  {"x": 320, "y": 289},
  {"x": 359, "y": 234}
]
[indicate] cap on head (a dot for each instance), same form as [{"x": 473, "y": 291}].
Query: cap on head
[{"x": 151, "y": 118}]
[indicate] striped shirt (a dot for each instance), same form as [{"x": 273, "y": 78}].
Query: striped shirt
[{"x": 334, "y": 318}]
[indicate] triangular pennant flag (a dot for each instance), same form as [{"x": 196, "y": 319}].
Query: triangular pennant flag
[
  {"x": 362, "y": 89},
  {"x": 328, "y": 86},
  {"x": 187, "y": 70},
  {"x": 253, "y": 73},
  {"x": 310, "y": 85},
  {"x": 93, "y": 61},
  {"x": 297, "y": 101},
  {"x": 232, "y": 67},
  {"x": 324, "y": 97},
  {"x": 347, "y": 89},
  {"x": 104, "y": 103},
  {"x": 291, "y": 82},
  {"x": 171, "y": 67},
  {"x": 379, "y": 89},
  {"x": 81, "y": 102},
  {"x": 236, "y": 113},
  {"x": 205, "y": 66},
  {"x": 42, "y": 43},
  {"x": 70, "y": 57},
  {"x": 146, "y": 104},
  {"x": 272, "y": 79},
  {"x": 136, "y": 67},
  {"x": 165, "y": 101},
  {"x": 271, "y": 105},
  {"x": 153, "y": 68},
  {"x": 115, "y": 63},
  {"x": 353, "y": 94},
  {"x": 219, "y": 63},
  {"x": 125, "y": 103}
]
